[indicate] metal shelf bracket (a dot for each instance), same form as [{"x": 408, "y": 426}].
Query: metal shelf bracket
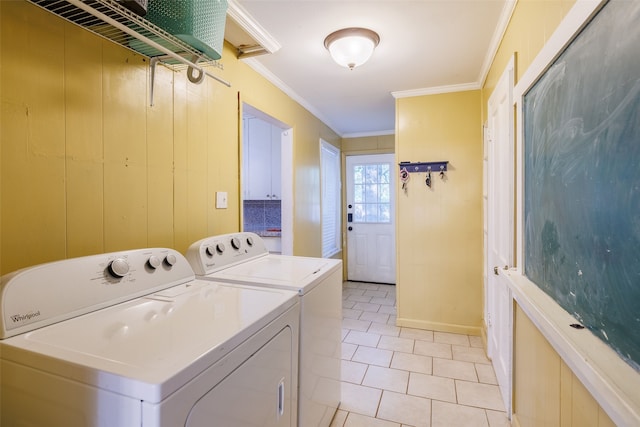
[{"x": 132, "y": 32}]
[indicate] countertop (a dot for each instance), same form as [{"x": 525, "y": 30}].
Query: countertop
[{"x": 269, "y": 232}]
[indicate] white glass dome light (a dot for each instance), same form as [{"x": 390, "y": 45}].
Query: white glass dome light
[{"x": 351, "y": 47}]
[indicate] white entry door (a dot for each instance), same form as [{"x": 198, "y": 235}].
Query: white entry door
[
  {"x": 499, "y": 226},
  {"x": 371, "y": 241}
]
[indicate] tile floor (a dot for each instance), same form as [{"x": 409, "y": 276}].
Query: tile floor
[{"x": 403, "y": 377}]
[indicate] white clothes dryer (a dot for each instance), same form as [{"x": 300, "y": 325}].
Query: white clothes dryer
[
  {"x": 133, "y": 339},
  {"x": 243, "y": 258}
]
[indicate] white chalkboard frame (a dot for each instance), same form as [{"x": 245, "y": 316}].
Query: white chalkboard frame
[{"x": 612, "y": 382}]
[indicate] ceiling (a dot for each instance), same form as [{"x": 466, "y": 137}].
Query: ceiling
[{"x": 426, "y": 46}]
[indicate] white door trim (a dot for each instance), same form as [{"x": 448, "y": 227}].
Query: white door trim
[{"x": 286, "y": 178}]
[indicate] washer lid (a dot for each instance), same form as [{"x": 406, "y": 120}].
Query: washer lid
[
  {"x": 280, "y": 271},
  {"x": 149, "y": 347}
]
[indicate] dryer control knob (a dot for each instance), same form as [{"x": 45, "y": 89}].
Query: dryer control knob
[
  {"x": 250, "y": 241},
  {"x": 220, "y": 248},
  {"x": 235, "y": 242},
  {"x": 119, "y": 267},
  {"x": 170, "y": 260},
  {"x": 210, "y": 250},
  {"x": 154, "y": 262}
]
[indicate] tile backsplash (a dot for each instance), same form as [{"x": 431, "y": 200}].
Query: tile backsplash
[{"x": 262, "y": 216}]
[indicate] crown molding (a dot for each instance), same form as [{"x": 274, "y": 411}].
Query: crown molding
[
  {"x": 498, "y": 34},
  {"x": 240, "y": 15},
  {"x": 435, "y": 90},
  {"x": 366, "y": 134}
]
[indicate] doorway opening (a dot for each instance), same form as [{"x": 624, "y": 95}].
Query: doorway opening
[{"x": 267, "y": 183}]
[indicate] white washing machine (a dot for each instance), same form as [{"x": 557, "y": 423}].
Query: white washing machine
[
  {"x": 133, "y": 339},
  {"x": 243, "y": 258}
]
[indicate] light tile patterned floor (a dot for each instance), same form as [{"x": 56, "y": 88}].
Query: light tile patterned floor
[{"x": 403, "y": 377}]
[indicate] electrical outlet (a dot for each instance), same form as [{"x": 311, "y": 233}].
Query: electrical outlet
[{"x": 221, "y": 200}]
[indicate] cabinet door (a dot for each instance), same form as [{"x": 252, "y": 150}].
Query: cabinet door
[{"x": 259, "y": 160}]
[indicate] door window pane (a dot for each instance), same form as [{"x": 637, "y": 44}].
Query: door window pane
[
  {"x": 384, "y": 212},
  {"x": 358, "y": 194},
  {"x": 384, "y": 174},
  {"x": 371, "y": 173},
  {"x": 371, "y": 193},
  {"x": 385, "y": 196},
  {"x": 358, "y": 174}
]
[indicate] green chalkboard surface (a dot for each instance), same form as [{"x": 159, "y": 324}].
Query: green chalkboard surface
[{"x": 582, "y": 178}]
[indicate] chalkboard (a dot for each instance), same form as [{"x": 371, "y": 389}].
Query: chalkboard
[{"x": 582, "y": 178}]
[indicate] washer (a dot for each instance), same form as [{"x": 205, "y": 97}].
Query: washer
[
  {"x": 243, "y": 258},
  {"x": 133, "y": 339}
]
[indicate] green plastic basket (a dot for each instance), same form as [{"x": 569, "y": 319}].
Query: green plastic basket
[{"x": 199, "y": 23}]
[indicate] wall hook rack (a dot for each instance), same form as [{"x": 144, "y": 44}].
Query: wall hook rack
[{"x": 424, "y": 166}]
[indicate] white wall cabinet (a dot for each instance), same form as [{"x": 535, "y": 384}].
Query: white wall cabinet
[{"x": 262, "y": 170}]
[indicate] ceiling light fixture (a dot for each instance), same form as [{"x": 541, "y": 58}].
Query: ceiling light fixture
[{"x": 351, "y": 47}]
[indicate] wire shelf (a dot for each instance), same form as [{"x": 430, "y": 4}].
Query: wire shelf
[{"x": 111, "y": 20}]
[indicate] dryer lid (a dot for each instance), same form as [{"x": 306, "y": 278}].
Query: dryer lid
[{"x": 280, "y": 271}]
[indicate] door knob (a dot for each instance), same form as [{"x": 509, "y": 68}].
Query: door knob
[
  {"x": 496, "y": 269},
  {"x": 350, "y": 228}
]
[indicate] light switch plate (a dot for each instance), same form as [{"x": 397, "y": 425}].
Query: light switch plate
[{"x": 221, "y": 200}]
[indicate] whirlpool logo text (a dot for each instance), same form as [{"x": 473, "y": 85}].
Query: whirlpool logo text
[{"x": 25, "y": 317}]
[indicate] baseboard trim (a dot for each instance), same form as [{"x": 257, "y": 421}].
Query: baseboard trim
[{"x": 440, "y": 327}]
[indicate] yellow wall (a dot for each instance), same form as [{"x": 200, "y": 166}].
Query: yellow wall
[
  {"x": 87, "y": 166},
  {"x": 546, "y": 392},
  {"x": 439, "y": 230},
  {"x": 531, "y": 25}
]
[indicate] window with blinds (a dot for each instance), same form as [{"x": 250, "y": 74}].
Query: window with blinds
[{"x": 330, "y": 198}]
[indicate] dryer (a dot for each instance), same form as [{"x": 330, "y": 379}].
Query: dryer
[
  {"x": 133, "y": 339},
  {"x": 242, "y": 258}
]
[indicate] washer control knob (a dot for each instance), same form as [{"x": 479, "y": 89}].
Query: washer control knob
[
  {"x": 210, "y": 250},
  {"x": 119, "y": 267},
  {"x": 250, "y": 241},
  {"x": 220, "y": 248},
  {"x": 170, "y": 260},
  {"x": 154, "y": 262},
  {"x": 235, "y": 242}
]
